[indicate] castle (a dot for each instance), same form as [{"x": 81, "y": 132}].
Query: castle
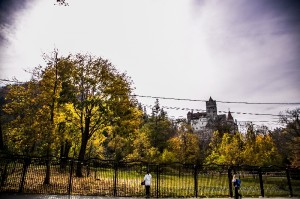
[{"x": 210, "y": 120}]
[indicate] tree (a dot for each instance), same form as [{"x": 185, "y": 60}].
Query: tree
[
  {"x": 3, "y": 117},
  {"x": 185, "y": 146},
  {"x": 50, "y": 86},
  {"x": 74, "y": 97},
  {"x": 126, "y": 121},
  {"x": 225, "y": 151},
  {"x": 23, "y": 131},
  {"x": 142, "y": 148},
  {"x": 250, "y": 149},
  {"x": 261, "y": 152},
  {"x": 36, "y": 104},
  {"x": 282, "y": 144},
  {"x": 161, "y": 128},
  {"x": 98, "y": 90},
  {"x": 291, "y": 135}
]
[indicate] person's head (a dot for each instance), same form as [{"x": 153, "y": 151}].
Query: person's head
[
  {"x": 233, "y": 177},
  {"x": 148, "y": 171}
]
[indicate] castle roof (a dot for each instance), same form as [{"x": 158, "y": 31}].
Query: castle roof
[
  {"x": 229, "y": 117},
  {"x": 198, "y": 115}
]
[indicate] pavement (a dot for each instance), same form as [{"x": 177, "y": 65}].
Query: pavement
[{"x": 41, "y": 196}]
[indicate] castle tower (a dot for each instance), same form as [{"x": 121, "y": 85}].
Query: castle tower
[{"x": 211, "y": 108}]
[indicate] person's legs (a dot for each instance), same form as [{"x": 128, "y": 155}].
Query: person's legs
[
  {"x": 147, "y": 191},
  {"x": 236, "y": 193}
]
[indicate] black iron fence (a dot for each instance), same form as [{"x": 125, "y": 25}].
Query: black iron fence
[{"x": 109, "y": 178}]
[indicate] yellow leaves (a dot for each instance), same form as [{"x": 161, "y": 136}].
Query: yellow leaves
[
  {"x": 174, "y": 144},
  {"x": 261, "y": 152},
  {"x": 185, "y": 147},
  {"x": 168, "y": 156}
]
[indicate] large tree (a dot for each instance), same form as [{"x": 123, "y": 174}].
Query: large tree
[
  {"x": 74, "y": 99},
  {"x": 36, "y": 105},
  {"x": 100, "y": 96}
]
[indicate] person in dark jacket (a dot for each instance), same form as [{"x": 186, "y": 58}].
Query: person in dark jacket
[{"x": 236, "y": 183}]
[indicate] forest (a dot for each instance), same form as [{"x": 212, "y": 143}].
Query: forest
[{"x": 80, "y": 106}]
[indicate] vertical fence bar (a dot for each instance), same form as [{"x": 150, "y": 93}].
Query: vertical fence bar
[
  {"x": 4, "y": 174},
  {"x": 229, "y": 182},
  {"x": 261, "y": 183},
  {"x": 157, "y": 181},
  {"x": 196, "y": 181},
  {"x": 70, "y": 178},
  {"x": 289, "y": 181},
  {"x": 170, "y": 180},
  {"x": 115, "y": 178}
]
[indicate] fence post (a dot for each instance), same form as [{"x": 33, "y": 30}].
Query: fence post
[
  {"x": 70, "y": 178},
  {"x": 4, "y": 174},
  {"x": 196, "y": 181},
  {"x": 115, "y": 178},
  {"x": 24, "y": 171},
  {"x": 157, "y": 181},
  {"x": 229, "y": 182},
  {"x": 289, "y": 181},
  {"x": 261, "y": 183}
]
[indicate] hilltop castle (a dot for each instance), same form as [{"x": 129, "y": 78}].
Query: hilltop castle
[{"x": 210, "y": 120}]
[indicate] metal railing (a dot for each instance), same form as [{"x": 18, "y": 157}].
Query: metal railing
[{"x": 123, "y": 179}]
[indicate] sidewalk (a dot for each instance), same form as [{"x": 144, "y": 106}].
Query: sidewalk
[{"x": 40, "y": 196}]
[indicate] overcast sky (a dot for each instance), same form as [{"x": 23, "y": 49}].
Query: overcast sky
[{"x": 231, "y": 50}]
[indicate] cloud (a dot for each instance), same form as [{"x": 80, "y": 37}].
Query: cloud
[
  {"x": 233, "y": 50},
  {"x": 253, "y": 43},
  {"x": 9, "y": 11}
]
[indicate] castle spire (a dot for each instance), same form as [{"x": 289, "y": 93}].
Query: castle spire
[{"x": 229, "y": 117}]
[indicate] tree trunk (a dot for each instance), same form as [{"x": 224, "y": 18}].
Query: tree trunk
[
  {"x": 81, "y": 155},
  {"x": 64, "y": 154},
  {"x": 47, "y": 177},
  {"x": 84, "y": 140}
]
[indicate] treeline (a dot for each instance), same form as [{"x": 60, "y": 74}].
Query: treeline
[{"x": 81, "y": 106}]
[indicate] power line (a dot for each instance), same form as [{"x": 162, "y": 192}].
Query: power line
[
  {"x": 193, "y": 100},
  {"x": 11, "y": 81},
  {"x": 275, "y": 121},
  {"x": 201, "y": 110},
  {"x": 225, "y": 102}
]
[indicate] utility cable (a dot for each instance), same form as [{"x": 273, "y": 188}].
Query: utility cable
[
  {"x": 225, "y": 102},
  {"x": 194, "y": 100},
  {"x": 200, "y": 110}
]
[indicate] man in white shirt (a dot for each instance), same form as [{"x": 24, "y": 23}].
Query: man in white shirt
[{"x": 147, "y": 180}]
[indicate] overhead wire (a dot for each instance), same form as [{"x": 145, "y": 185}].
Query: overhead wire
[
  {"x": 193, "y": 100},
  {"x": 201, "y": 110},
  {"x": 220, "y": 101},
  {"x": 199, "y": 100}
]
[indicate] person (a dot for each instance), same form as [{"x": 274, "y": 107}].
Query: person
[
  {"x": 236, "y": 184},
  {"x": 147, "y": 180}
]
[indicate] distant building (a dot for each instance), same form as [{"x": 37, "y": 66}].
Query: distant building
[{"x": 210, "y": 120}]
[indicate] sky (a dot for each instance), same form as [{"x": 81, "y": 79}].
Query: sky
[{"x": 232, "y": 51}]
